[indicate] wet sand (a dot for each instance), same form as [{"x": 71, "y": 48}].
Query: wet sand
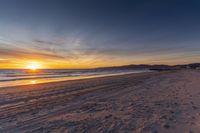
[{"x": 158, "y": 102}]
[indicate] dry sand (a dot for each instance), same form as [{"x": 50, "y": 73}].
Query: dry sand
[{"x": 160, "y": 102}]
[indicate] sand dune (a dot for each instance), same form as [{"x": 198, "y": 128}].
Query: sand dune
[{"x": 159, "y": 102}]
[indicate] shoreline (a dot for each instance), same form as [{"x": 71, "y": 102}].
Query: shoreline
[{"x": 65, "y": 79}]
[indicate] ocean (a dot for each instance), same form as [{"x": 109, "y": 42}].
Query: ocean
[{"x": 15, "y": 77}]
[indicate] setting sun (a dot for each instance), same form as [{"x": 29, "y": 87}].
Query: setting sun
[{"x": 34, "y": 66}]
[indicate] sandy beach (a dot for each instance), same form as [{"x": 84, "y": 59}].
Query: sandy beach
[{"x": 157, "y": 102}]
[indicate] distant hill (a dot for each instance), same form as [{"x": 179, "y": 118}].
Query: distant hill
[
  {"x": 192, "y": 66},
  {"x": 152, "y": 67}
]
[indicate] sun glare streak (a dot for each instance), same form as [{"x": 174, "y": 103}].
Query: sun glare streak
[{"x": 1, "y": 59}]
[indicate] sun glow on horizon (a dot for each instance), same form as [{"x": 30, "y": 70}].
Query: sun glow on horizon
[{"x": 34, "y": 66}]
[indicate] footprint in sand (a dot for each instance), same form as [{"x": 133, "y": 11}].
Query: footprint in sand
[
  {"x": 191, "y": 131},
  {"x": 166, "y": 126},
  {"x": 194, "y": 107}
]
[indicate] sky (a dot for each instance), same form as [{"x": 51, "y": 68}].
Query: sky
[{"x": 98, "y": 33}]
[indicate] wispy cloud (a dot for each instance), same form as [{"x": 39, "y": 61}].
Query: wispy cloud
[{"x": 26, "y": 54}]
